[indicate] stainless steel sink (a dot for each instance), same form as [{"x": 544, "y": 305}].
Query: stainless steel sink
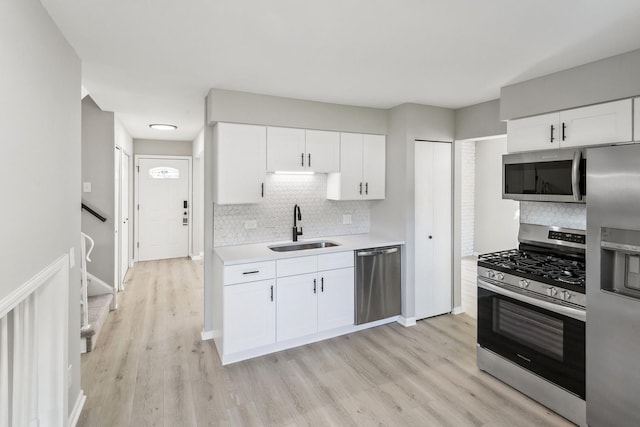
[{"x": 301, "y": 246}]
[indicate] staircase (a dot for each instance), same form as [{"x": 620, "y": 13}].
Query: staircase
[
  {"x": 95, "y": 308},
  {"x": 98, "y": 308}
]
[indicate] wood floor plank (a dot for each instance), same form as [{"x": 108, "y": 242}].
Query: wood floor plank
[{"x": 150, "y": 368}]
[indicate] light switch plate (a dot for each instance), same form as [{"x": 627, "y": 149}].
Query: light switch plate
[
  {"x": 86, "y": 187},
  {"x": 250, "y": 224},
  {"x": 346, "y": 219}
]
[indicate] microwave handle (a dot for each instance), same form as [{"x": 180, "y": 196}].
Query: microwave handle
[{"x": 575, "y": 176}]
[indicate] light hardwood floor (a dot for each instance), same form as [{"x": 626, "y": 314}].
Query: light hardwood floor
[{"x": 150, "y": 368}]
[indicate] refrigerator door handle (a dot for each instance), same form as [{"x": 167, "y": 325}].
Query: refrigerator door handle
[{"x": 575, "y": 176}]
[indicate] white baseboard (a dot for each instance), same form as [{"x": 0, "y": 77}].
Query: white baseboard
[
  {"x": 457, "y": 310},
  {"x": 195, "y": 257},
  {"x": 207, "y": 335},
  {"x": 74, "y": 416},
  {"x": 407, "y": 321}
]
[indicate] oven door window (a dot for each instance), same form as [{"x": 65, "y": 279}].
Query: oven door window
[{"x": 543, "y": 333}]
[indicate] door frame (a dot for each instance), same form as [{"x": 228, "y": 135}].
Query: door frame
[{"x": 136, "y": 201}]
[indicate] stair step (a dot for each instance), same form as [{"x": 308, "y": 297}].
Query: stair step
[{"x": 99, "y": 307}]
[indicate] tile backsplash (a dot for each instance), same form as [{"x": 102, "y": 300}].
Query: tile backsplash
[
  {"x": 274, "y": 216},
  {"x": 568, "y": 215}
]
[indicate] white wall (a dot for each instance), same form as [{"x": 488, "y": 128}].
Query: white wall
[
  {"x": 40, "y": 162},
  {"x": 496, "y": 220},
  {"x": 197, "y": 241},
  {"x": 161, "y": 147},
  {"x": 98, "y": 136}
]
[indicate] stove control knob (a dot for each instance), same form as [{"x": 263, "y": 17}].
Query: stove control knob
[
  {"x": 566, "y": 295},
  {"x": 552, "y": 291},
  {"x": 491, "y": 274},
  {"x": 523, "y": 283},
  {"x": 500, "y": 276}
]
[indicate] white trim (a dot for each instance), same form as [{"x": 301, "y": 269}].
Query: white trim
[
  {"x": 195, "y": 257},
  {"x": 19, "y": 294},
  {"x": 407, "y": 321},
  {"x": 136, "y": 212},
  {"x": 207, "y": 335},
  {"x": 457, "y": 310},
  {"x": 74, "y": 416}
]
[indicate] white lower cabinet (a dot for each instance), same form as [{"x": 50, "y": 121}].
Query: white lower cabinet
[
  {"x": 318, "y": 300},
  {"x": 297, "y": 307},
  {"x": 272, "y": 305},
  {"x": 249, "y": 315}
]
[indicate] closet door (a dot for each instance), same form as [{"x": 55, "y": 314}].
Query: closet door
[{"x": 433, "y": 259}]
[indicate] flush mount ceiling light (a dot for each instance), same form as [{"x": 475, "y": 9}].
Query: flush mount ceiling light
[{"x": 159, "y": 126}]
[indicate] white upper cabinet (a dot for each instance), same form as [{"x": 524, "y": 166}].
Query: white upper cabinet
[
  {"x": 240, "y": 153},
  {"x": 323, "y": 151},
  {"x": 285, "y": 149},
  {"x": 533, "y": 133},
  {"x": 597, "y": 124},
  {"x": 362, "y": 168},
  {"x": 606, "y": 123},
  {"x": 296, "y": 150}
]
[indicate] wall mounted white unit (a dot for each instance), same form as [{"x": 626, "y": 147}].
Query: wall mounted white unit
[
  {"x": 433, "y": 229},
  {"x": 300, "y": 150},
  {"x": 606, "y": 123},
  {"x": 240, "y": 153},
  {"x": 362, "y": 168}
]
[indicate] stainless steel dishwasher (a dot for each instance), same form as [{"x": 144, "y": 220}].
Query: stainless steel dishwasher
[{"x": 377, "y": 283}]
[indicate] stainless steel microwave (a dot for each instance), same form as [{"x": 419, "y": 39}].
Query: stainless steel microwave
[{"x": 550, "y": 176}]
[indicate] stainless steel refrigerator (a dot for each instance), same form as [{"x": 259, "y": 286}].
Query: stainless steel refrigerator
[{"x": 613, "y": 286}]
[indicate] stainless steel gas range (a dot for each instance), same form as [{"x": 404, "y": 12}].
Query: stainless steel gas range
[{"x": 531, "y": 317}]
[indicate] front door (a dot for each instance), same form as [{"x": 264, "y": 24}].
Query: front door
[{"x": 163, "y": 199}]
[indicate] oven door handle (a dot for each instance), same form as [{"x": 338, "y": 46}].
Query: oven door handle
[{"x": 556, "y": 308}]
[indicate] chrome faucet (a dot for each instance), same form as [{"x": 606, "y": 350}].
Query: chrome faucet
[{"x": 296, "y": 218}]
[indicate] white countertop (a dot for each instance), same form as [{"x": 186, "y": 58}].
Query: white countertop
[{"x": 255, "y": 252}]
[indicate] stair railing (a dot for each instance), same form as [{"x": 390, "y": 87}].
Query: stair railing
[{"x": 94, "y": 213}]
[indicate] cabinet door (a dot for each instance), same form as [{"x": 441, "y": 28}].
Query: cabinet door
[
  {"x": 336, "y": 298},
  {"x": 597, "y": 124},
  {"x": 249, "y": 315},
  {"x": 347, "y": 185},
  {"x": 297, "y": 306},
  {"x": 323, "y": 151},
  {"x": 533, "y": 133},
  {"x": 373, "y": 166},
  {"x": 286, "y": 149},
  {"x": 240, "y": 159}
]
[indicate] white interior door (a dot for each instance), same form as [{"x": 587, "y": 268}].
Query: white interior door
[
  {"x": 433, "y": 285},
  {"x": 163, "y": 199},
  {"x": 124, "y": 217}
]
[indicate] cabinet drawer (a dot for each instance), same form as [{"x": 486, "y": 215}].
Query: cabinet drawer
[
  {"x": 335, "y": 260},
  {"x": 249, "y": 272},
  {"x": 299, "y": 265}
]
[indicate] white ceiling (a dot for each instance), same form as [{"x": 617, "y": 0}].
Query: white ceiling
[{"x": 154, "y": 61}]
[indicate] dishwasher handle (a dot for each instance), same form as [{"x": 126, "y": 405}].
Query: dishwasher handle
[{"x": 377, "y": 252}]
